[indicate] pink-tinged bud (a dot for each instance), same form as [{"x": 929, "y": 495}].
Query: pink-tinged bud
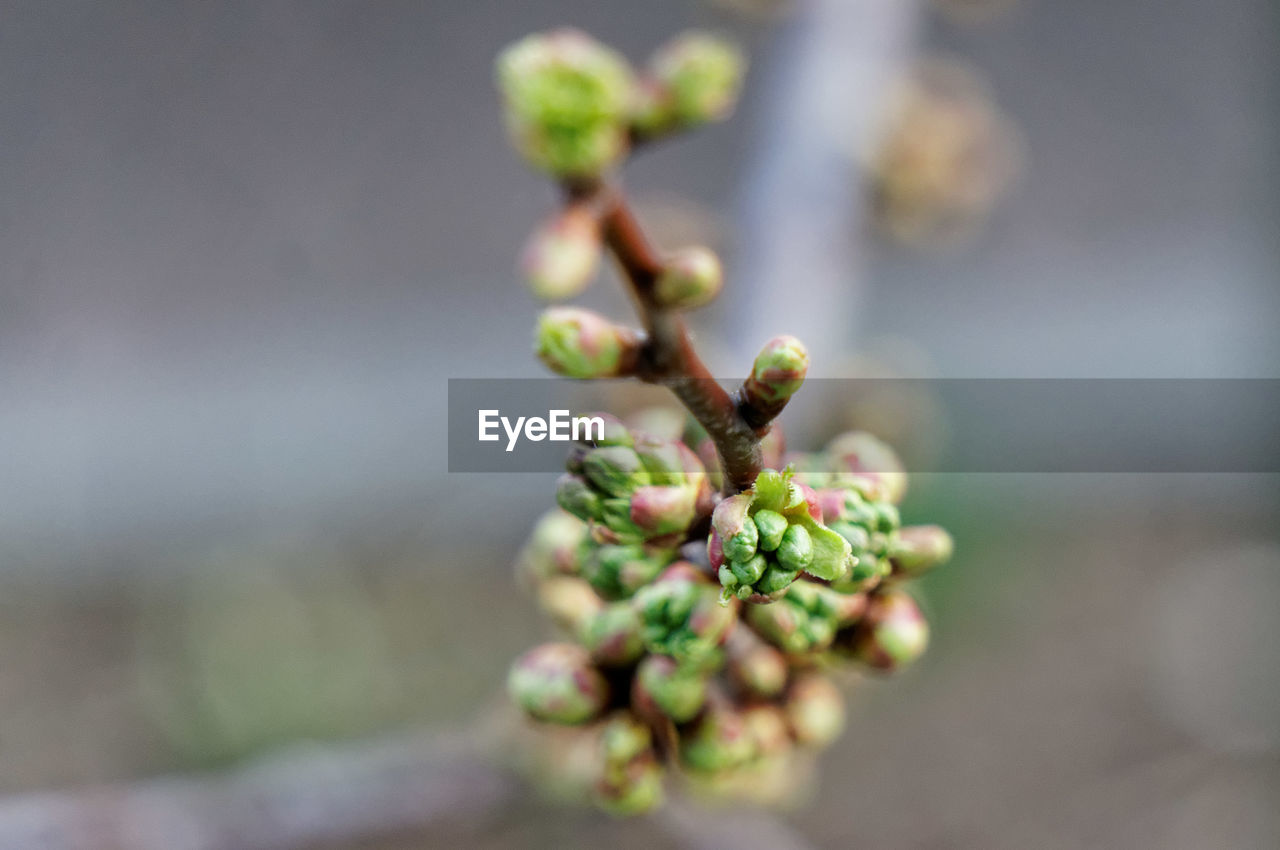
[
  {"x": 580, "y": 344},
  {"x": 831, "y": 504},
  {"x": 815, "y": 710},
  {"x": 562, "y": 256},
  {"x": 556, "y": 683},
  {"x": 662, "y": 510},
  {"x": 715, "y": 551},
  {"x": 918, "y": 549},
  {"x": 554, "y": 547},
  {"x": 717, "y": 740},
  {"x": 703, "y": 75},
  {"x": 754, "y": 667},
  {"x": 612, "y": 635},
  {"x": 858, "y": 454},
  {"x": 767, "y": 725},
  {"x": 892, "y": 633},
  {"x": 690, "y": 278},
  {"x": 777, "y": 374}
]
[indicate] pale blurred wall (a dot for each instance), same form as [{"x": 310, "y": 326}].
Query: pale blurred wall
[{"x": 242, "y": 244}]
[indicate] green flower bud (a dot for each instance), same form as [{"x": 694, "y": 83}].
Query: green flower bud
[
  {"x": 920, "y": 548},
  {"x": 562, "y": 256},
  {"x": 690, "y": 278},
  {"x": 892, "y": 633},
  {"x": 574, "y": 495},
  {"x": 662, "y": 684},
  {"x": 717, "y": 740},
  {"x": 772, "y": 526},
  {"x": 615, "y": 433},
  {"x": 702, "y": 74},
  {"x": 778, "y": 372},
  {"x": 615, "y": 470},
  {"x": 618, "y": 571},
  {"x": 554, "y": 546},
  {"x": 630, "y": 780},
  {"x": 795, "y": 552},
  {"x": 815, "y": 710},
  {"x": 556, "y": 683},
  {"x": 612, "y": 635},
  {"x": 803, "y": 621},
  {"x": 683, "y": 619},
  {"x": 748, "y": 572},
  {"x": 775, "y": 580},
  {"x": 580, "y": 344},
  {"x": 569, "y": 602},
  {"x": 567, "y": 98}
]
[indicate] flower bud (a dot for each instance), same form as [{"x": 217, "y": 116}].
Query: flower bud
[
  {"x": 658, "y": 511},
  {"x": 892, "y": 633},
  {"x": 676, "y": 692},
  {"x": 755, "y": 667},
  {"x": 795, "y": 552},
  {"x": 702, "y": 74},
  {"x": 768, "y": 727},
  {"x": 612, "y": 635},
  {"x": 555, "y": 682},
  {"x": 857, "y": 454},
  {"x": 615, "y": 432},
  {"x": 738, "y": 534},
  {"x": 690, "y": 278},
  {"x": 683, "y": 619},
  {"x": 574, "y": 495},
  {"x": 569, "y": 602},
  {"x": 567, "y": 97},
  {"x": 777, "y": 373},
  {"x": 772, "y": 527},
  {"x": 580, "y": 344},
  {"x": 630, "y": 780},
  {"x": 918, "y": 549},
  {"x": 717, "y": 740},
  {"x": 815, "y": 710},
  {"x": 614, "y": 470},
  {"x": 618, "y": 571},
  {"x": 562, "y": 256},
  {"x": 553, "y": 547},
  {"x": 801, "y": 622}
]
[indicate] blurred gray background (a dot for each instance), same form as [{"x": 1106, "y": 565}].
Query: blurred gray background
[{"x": 243, "y": 246}]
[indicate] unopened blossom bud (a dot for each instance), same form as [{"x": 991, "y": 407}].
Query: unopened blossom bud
[
  {"x": 755, "y": 667},
  {"x": 920, "y": 548},
  {"x": 562, "y": 256},
  {"x": 815, "y": 710},
  {"x": 658, "y": 511},
  {"x": 795, "y": 552},
  {"x": 614, "y": 433},
  {"x": 768, "y": 727},
  {"x": 568, "y": 601},
  {"x": 859, "y": 455},
  {"x": 553, "y": 547},
  {"x": 683, "y": 619},
  {"x": 577, "y": 343},
  {"x": 574, "y": 495},
  {"x": 555, "y": 682},
  {"x": 702, "y": 74},
  {"x": 630, "y": 780},
  {"x": 772, "y": 526},
  {"x": 612, "y": 635},
  {"x": 614, "y": 470},
  {"x": 892, "y": 633},
  {"x": 738, "y": 534},
  {"x": 778, "y": 372},
  {"x": 617, "y": 571},
  {"x": 567, "y": 97},
  {"x": 804, "y": 621},
  {"x": 663, "y": 685},
  {"x": 717, "y": 740},
  {"x": 691, "y": 277}
]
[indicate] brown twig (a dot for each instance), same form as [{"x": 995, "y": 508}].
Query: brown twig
[{"x": 667, "y": 355}]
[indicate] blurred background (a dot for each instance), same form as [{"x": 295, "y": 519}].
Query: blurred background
[{"x": 244, "y": 245}]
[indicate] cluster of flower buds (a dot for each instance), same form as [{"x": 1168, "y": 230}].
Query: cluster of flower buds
[
  {"x": 575, "y": 107},
  {"x": 635, "y": 489},
  {"x": 723, "y": 682}
]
